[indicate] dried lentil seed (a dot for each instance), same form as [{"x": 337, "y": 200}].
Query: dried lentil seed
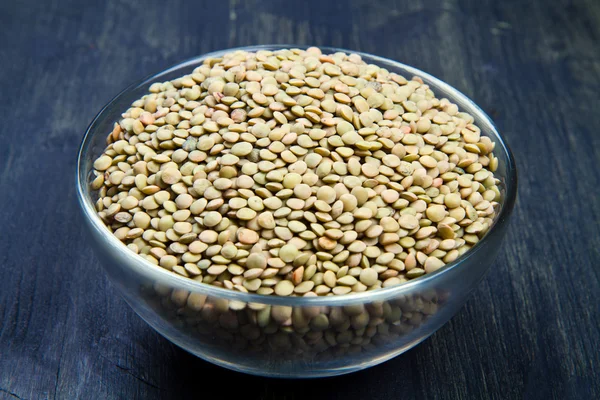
[{"x": 321, "y": 159}]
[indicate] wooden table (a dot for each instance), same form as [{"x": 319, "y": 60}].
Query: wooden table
[{"x": 531, "y": 329}]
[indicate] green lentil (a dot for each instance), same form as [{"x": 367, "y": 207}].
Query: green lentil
[{"x": 308, "y": 174}]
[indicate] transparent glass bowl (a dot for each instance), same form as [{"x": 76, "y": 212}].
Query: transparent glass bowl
[{"x": 290, "y": 336}]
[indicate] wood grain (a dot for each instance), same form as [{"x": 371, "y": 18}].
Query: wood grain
[{"x": 531, "y": 329}]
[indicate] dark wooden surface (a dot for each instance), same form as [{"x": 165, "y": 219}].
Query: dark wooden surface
[{"x": 531, "y": 329}]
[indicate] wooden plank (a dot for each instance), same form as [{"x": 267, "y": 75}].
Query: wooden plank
[{"x": 531, "y": 329}]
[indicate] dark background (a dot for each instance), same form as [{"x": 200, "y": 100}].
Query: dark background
[{"x": 530, "y": 330}]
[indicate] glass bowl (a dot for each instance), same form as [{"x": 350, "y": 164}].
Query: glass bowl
[{"x": 291, "y": 337}]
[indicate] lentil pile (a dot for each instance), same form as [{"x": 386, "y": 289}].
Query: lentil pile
[{"x": 296, "y": 173}]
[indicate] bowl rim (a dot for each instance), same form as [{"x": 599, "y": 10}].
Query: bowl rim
[{"x": 175, "y": 280}]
